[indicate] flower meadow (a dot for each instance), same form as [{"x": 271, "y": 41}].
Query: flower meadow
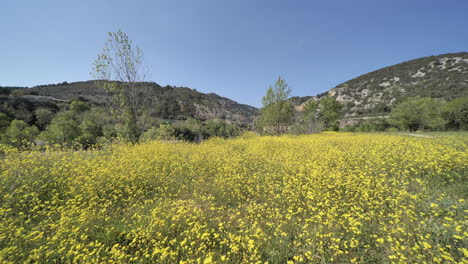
[{"x": 325, "y": 198}]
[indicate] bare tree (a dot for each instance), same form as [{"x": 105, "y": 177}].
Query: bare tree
[{"x": 118, "y": 69}]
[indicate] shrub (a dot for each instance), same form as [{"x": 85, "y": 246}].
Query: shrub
[
  {"x": 20, "y": 134},
  {"x": 417, "y": 113},
  {"x": 163, "y": 132}
]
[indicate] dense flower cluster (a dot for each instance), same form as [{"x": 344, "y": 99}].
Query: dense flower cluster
[{"x": 326, "y": 198}]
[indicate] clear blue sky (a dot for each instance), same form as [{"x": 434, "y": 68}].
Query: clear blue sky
[{"x": 234, "y": 48}]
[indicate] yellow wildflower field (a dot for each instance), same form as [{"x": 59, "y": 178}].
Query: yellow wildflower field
[{"x": 326, "y": 198}]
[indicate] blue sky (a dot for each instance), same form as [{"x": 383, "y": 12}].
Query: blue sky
[{"x": 233, "y": 48}]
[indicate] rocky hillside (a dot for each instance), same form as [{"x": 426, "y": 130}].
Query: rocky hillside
[
  {"x": 444, "y": 76},
  {"x": 167, "y": 102},
  {"x": 373, "y": 94}
]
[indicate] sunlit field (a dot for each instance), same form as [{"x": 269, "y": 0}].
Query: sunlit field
[{"x": 326, "y": 198}]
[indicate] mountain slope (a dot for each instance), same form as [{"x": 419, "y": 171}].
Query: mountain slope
[
  {"x": 443, "y": 76},
  {"x": 164, "y": 102}
]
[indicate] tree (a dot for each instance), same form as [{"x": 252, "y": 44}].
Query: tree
[
  {"x": 79, "y": 107},
  {"x": 43, "y": 117},
  {"x": 63, "y": 129},
  {"x": 119, "y": 69},
  {"x": 20, "y": 134},
  {"x": 310, "y": 117},
  {"x": 277, "y": 111},
  {"x": 417, "y": 113},
  {"x": 163, "y": 132},
  {"x": 330, "y": 113},
  {"x": 455, "y": 113},
  {"x": 91, "y": 130}
]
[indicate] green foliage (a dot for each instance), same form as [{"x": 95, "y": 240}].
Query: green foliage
[
  {"x": 18, "y": 108},
  {"x": 220, "y": 128},
  {"x": 4, "y": 123},
  {"x": 277, "y": 112},
  {"x": 90, "y": 129},
  {"x": 456, "y": 114},
  {"x": 20, "y": 134},
  {"x": 373, "y": 125},
  {"x": 190, "y": 130},
  {"x": 63, "y": 130},
  {"x": 43, "y": 117},
  {"x": 417, "y": 113},
  {"x": 79, "y": 106},
  {"x": 163, "y": 132},
  {"x": 330, "y": 113}
]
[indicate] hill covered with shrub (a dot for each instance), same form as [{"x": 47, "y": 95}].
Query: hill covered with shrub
[
  {"x": 168, "y": 102},
  {"x": 373, "y": 94}
]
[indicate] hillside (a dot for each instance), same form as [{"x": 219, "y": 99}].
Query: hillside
[
  {"x": 167, "y": 102},
  {"x": 444, "y": 76},
  {"x": 372, "y": 94}
]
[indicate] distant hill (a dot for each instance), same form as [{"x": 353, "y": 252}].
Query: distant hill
[
  {"x": 176, "y": 103},
  {"x": 372, "y": 94},
  {"x": 369, "y": 95}
]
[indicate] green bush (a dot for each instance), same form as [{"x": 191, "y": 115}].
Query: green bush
[
  {"x": 220, "y": 128},
  {"x": 417, "y": 113},
  {"x": 20, "y": 134},
  {"x": 63, "y": 130},
  {"x": 455, "y": 113},
  {"x": 79, "y": 107},
  {"x": 163, "y": 132},
  {"x": 43, "y": 117}
]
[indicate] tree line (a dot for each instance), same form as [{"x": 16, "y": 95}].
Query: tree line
[
  {"x": 119, "y": 68},
  {"x": 278, "y": 115},
  {"x": 81, "y": 126}
]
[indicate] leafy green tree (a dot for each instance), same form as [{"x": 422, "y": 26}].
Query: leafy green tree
[
  {"x": 79, "y": 106},
  {"x": 20, "y": 134},
  {"x": 91, "y": 130},
  {"x": 118, "y": 69},
  {"x": 417, "y": 113},
  {"x": 455, "y": 113},
  {"x": 277, "y": 112},
  {"x": 63, "y": 129},
  {"x": 330, "y": 113},
  {"x": 43, "y": 117},
  {"x": 163, "y": 132}
]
